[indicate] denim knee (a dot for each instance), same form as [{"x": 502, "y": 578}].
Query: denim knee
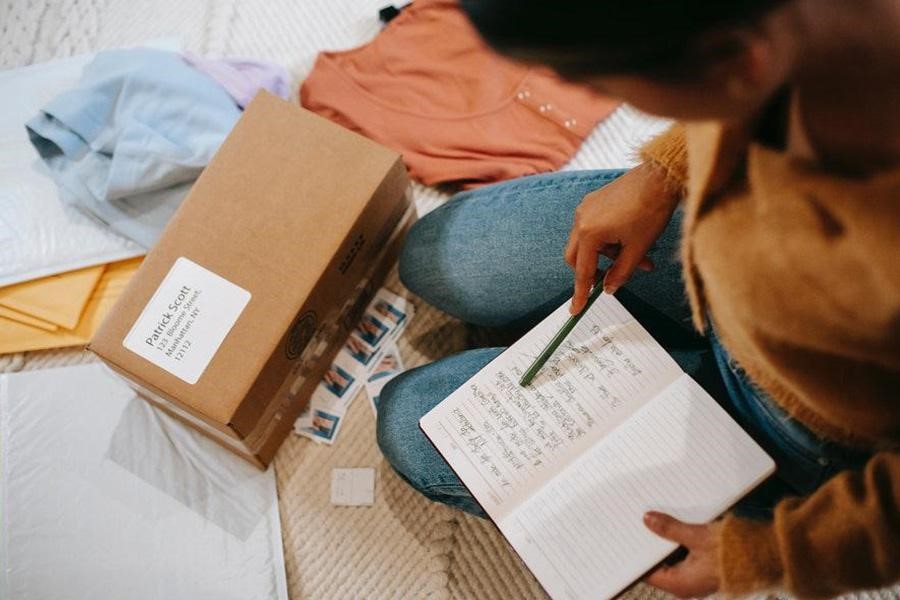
[
  {"x": 494, "y": 256},
  {"x": 401, "y": 404},
  {"x": 410, "y": 453},
  {"x": 428, "y": 264},
  {"x": 413, "y": 262},
  {"x": 394, "y": 427}
]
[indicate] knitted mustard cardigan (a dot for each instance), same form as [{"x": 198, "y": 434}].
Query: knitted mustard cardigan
[{"x": 799, "y": 270}]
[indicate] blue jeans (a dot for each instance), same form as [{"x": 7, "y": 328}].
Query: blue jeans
[{"x": 494, "y": 257}]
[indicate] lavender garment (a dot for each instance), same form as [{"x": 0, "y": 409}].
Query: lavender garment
[{"x": 242, "y": 79}]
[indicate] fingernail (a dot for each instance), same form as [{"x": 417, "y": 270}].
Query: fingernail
[
  {"x": 610, "y": 289},
  {"x": 649, "y": 519}
]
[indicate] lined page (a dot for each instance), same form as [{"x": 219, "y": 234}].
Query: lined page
[
  {"x": 505, "y": 441},
  {"x": 582, "y": 534}
]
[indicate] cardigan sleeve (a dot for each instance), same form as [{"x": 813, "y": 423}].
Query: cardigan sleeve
[
  {"x": 669, "y": 151},
  {"x": 843, "y": 537}
]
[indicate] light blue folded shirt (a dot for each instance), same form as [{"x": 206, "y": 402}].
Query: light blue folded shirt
[{"x": 127, "y": 142}]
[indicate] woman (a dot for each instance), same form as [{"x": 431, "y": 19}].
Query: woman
[{"x": 786, "y": 166}]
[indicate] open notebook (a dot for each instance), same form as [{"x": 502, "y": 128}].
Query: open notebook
[{"x": 610, "y": 428}]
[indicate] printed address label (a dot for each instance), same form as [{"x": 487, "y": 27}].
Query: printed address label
[{"x": 186, "y": 320}]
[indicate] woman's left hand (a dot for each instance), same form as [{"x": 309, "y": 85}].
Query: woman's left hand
[{"x": 698, "y": 573}]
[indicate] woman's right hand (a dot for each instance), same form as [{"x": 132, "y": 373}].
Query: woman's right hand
[{"x": 620, "y": 220}]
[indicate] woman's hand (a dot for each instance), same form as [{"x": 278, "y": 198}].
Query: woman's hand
[
  {"x": 620, "y": 220},
  {"x": 698, "y": 573}
]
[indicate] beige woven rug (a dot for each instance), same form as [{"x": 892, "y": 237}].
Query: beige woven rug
[{"x": 403, "y": 546}]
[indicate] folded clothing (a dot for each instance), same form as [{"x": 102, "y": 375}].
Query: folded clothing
[
  {"x": 429, "y": 88},
  {"x": 40, "y": 234},
  {"x": 243, "y": 78},
  {"x": 126, "y": 142}
]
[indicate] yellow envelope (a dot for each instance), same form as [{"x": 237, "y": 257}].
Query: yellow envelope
[
  {"x": 58, "y": 299},
  {"x": 18, "y": 337},
  {"x": 8, "y": 313}
]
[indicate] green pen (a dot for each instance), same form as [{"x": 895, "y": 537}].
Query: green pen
[{"x": 561, "y": 335}]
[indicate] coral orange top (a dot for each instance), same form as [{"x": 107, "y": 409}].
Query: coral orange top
[{"x": 429, "y": 88}]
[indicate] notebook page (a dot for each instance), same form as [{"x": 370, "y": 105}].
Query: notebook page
[
  {"x": 505, "y": 441},
  {"x": 582, "y": 534}
]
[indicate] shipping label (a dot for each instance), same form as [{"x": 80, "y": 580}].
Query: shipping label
[{"x": 186, "y": 320}]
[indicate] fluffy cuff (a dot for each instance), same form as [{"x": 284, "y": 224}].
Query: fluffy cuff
[
  {"x": 669, "y": 151},
  {"x": 749, "y": 560}
]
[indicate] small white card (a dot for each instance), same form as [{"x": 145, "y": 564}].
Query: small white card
[
  {"x": 186, "y": 320},
  {"x": 353, "y": 487}
]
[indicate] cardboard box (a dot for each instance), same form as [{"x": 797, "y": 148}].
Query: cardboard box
[{"x": 238, "y": 310}]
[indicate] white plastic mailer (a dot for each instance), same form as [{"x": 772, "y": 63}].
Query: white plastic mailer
[
  {"x": 105, "y": 497},
  {"x": 40, "y": 233}
]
